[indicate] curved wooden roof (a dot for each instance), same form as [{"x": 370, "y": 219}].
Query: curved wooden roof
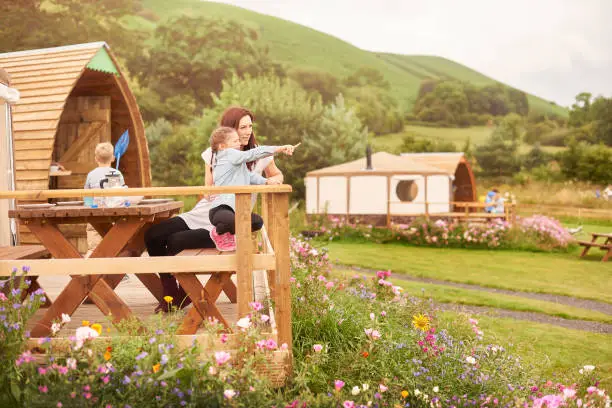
[
  {"x": 45, "y": 79},
  {"x": 383, "y": 163}
]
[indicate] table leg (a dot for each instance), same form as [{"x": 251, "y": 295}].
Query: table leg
[
  {"x": 203, "y": 299},
  {"x": 587, "y": 248}
]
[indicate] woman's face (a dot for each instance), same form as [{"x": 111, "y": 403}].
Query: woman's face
[{"x": 245, "y": 130}]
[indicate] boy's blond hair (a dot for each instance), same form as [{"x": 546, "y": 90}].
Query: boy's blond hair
[{"x": 104, "y": 153}]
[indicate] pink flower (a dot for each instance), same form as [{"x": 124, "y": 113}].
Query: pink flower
[
  {"x": 284, "y": 346},
  {"x": 271, "y": 344},
  {"x": 222, "y": 357},
  {"x": 382, "y": 387},
  {"x": 348, "y": 404},
  {"x": 265, "y": 318},
  {"x": 42, "y": 371},
  {"x": 3, "y": 297},
  {"x": 43, "y": 389},
  {"x": 105, "y": 379},
  {"x": 338, "y": 384},
  {"x": 329, "y": 285},
  {"x": 376, "y": 334},
  {"x": 317, "y": 348},
  {"x": 256, "y": 306},
  {"x": 383, "y": 313},
  {"x": 59, "y": 404},
  {"x": 223, "y": 338}
]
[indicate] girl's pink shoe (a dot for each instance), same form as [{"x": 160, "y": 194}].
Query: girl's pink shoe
[{"x": 224, "y": 242}]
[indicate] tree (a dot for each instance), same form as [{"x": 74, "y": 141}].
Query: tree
[
  {"x": 321, "y": 82},
  {"x": 191, "y": 57},
  {"x": 579, "y": 112},
  {"x": 413, "y": 145},
  {"x": 366, "y": 76},
  {"x": 535, "y": 158},
  {"x": 499, "y": 156},
  {"x": 376, "y": 109}
]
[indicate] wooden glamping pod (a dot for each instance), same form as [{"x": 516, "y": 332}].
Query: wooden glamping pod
[
  {"x": 72, "y": 98},
  {"x": 8, "y": 95},
  {"x": 388, "y": 186}
]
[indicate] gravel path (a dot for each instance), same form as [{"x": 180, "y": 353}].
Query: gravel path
[{"x": 535, "y": 317}]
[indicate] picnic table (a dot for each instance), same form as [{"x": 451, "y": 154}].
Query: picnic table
[
  {"x": 122, "y": 230},
  {"x": 605, "y": 246}
]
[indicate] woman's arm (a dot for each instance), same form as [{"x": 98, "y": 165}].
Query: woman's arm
[
  {"x": 273, "y": 173},
  {"x": 208, "y": 181}
]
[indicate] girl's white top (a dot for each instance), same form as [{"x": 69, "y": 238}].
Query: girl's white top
[{"x": 198, "y": 216}]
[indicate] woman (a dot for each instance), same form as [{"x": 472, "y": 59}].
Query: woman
[{"x": 192, "y": 229}]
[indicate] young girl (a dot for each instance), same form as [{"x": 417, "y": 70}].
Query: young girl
[{"x": 229, "y": 168}]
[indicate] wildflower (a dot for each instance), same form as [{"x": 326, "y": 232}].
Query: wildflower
[
  {"x": 372, "y": 316},
  {"x": 142, "y": 355},
  {"x": 244, "y": 323},
  {"x": 43, "y": 388},
  {"x": 97, "y": 327},
  {"x": 365, "y": 354},
  {"x": 404, "y": 394},
  {"x": 65, "y": 318},
  {"x": 256, "y": 306},
  {"x": 356, "y": 390},
  {"x": 105, "y": 379},
  {"x": 85, "y": 323},
  {"x": 420, "y": 322},
  {"x": 71, "y": 363},
  {"x": 55, "y": 327},
  {"x": 470, "y": 360},
  {"x": 383, "y": 387},
  {"x": 168, "y": 299},
  {"x": 265, "y": 318},
  {"x": 348, "y": 404},
  {"x": 156, "y": 367},
  {"x": 271, "y": 344},
  {"x": 42, "y": 371},
  {"x": 317, "y": 348},
  {"x": 365, "y": 387},
  {"x": 338, "y": 384},
  {"x": 59, "y": 404},
  {"x": 229, "y": 394},
  {"x": 222, "y": 357},
  {"x": 223, "y": 338},
  {"x": 436, "y": 389}
]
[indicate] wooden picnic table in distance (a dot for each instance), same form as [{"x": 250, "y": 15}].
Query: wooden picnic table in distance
[
  {"x": 122, "y": 230},
  {"x": 605, "y": 246}
]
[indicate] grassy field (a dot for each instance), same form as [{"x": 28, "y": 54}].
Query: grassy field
[
  {"x": 296, "y": 45},
  {"x": 555, "y": 273},
  {"x": 477, "y": 134},
  {"x": 449, "y": 294},
  {"x": 556, "y": 350}
]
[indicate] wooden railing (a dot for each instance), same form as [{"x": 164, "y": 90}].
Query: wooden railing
[
  {"x": 466, "y": 211},
  {"x": 274, "y": 259}
]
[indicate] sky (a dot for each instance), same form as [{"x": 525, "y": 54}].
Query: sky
[{"x": 554, "y": 49}]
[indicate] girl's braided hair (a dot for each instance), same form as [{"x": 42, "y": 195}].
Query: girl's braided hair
[{"x": 218, "y": 137}]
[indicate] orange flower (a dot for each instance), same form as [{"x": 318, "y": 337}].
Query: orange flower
[
  {"x": 404, "y": 394},
  {"x": 365, "y": 354},
  {"x": 109, "y": 349},
  {"x": 85, "y": 322},
  {"x": 156, "y": 367},
  {"x": 97, "y": 327},
  {"x": 107, "y": 355}
]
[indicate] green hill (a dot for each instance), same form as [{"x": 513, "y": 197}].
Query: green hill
[{"x": 297, "y": 45}]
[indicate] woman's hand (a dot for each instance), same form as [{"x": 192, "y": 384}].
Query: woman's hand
[{"x": 271, "y": 182}]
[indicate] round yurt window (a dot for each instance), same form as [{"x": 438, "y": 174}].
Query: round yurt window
[{"x": 406, "y": 190}]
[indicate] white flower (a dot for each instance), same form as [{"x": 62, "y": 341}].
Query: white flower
[
  {"x": 65, "y": 318},
  {"x": 85, "y": 332},
  {"x": 589, "y": 368},
  {"x": 355, "y": 390},
  {"x": 365, "y": 387},
  {"x": 71, "y": 363},
  {"x": 372, "y": 316},
  {"x": 55, "y": 327},
  {"x": 417, "y": 392},
  {"x": 89, "y": 352},
  {"x": 229, "y": 394},
  {"x": 436, "y": 389},
  {"x": 470, "y": 360},
  {"x": 244, "y": 323}
]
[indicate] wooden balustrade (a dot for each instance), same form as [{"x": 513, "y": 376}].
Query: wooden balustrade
[{"x": 274, "y": 258}]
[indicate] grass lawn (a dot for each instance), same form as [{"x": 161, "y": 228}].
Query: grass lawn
[
  {"x": 555, "y": 349},
  {"x": 449, "y": 294},
  {"x": 556, "y": 273}
]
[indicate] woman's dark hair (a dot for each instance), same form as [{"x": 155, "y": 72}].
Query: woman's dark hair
[{"x": 231, "y": 118}]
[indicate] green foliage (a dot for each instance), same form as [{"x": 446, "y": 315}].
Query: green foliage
[
  {"x": 453, "y": 103},
  {"x": 191, "y": 56},
  {"x": 376, "y": 109},
  {"x": 593, "y": 117},
  {"x": 587, "y": 162},
  {"x": 536, "y": 158},
  {"x": 413, "y": 144},
  {"x": 367, "y": 76},
  {"x": 499, "y": 155},
  {"x": 317, "y": 81}
]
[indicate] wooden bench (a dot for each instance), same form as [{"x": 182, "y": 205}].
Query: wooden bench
[
  {"x": 25, "y": 252},
  {"x": 604, "y": 247}
]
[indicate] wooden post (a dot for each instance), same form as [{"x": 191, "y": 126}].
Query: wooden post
[
  {"x": 318, "y": 197},
  {"x": 348, "y": 198},
  {"x": 425, "y": 178},
  {"x": 244, "y": 251},
  {"x": 268, "y": 214},
  {"x": 283, "y": 267},
  {"x": 388, "y": 201}
]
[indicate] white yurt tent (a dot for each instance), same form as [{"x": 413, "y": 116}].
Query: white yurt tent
[
  {"x": 8, "y": 95},
  {"x": 381, "y": 186}
]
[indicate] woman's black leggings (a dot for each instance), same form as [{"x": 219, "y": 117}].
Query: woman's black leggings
[
  {"x": 223, "y": 218},
  {"x": 171, "y": 236}
]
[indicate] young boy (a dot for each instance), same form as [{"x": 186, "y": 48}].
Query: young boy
[{"x": 104, "y": 156}]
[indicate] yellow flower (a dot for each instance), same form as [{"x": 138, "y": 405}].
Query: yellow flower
[
  {"x": 420, "y": 322},
  {"x": 156, "y": 367},
  {"x": 85, "y": 322},
  {"x": 404, "y": 394},
  {"x": 107, "y": 355},
  {"x": 168, "y": 299},
  {"x": 97, "y": 327},
  {"x": 108, "y": 329}
]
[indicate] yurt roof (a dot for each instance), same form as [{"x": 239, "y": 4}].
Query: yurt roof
[
  {"x": 45, "y": 79},
  {"x": 383, "y": 163},
  {"x": 445, "y": 161}
]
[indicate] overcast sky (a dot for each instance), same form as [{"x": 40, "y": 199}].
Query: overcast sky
[{"x": 551, "y": 48}]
